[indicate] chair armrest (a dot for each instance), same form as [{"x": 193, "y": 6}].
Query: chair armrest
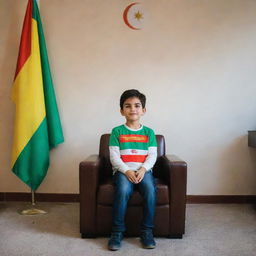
[
  {"x": 89, "y": 174},
  {"x": 173, "y": 168},
  {"x": 175, "y": 172},
  {"x": 88, "y": 185},
  {"x": 175, "y": 160}
]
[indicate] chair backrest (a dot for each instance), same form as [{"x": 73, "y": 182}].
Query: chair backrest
[{"x": 104, "y": 152}]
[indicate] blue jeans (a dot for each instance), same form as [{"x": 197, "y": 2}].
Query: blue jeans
[{"x": 123, "y": 191}]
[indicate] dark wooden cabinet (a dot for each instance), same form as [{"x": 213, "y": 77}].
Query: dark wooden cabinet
[{"x": 252, "y": 139}]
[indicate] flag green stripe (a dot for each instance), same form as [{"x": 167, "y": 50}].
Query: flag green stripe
[
  {"x": 34, "y": 9},
  {"x": 52, "y": 114},
  {"x": 32, "y": 163}
]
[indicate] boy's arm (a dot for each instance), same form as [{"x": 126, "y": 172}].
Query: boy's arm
[
  {"x": 114, "y": 152},
  {"x": 120, "y": 166},
  {"x": 116, "y": 160},
  {"x": 152, "y": 151},
  {"x": 148, "y": 164},
  {"x": 151, "y": 158}
]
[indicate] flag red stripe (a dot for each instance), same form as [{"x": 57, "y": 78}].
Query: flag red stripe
[
  {"x": 25, "y": 42},
  {"x": 134, "y": 158}
]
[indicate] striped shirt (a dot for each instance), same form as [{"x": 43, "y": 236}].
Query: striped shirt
[{"x": 132, "y": 149}]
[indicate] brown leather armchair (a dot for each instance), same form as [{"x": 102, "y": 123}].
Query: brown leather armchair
[{"x": 96, "y": 195}]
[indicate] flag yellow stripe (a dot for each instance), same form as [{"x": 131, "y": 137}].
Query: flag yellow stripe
[{"x": 28, "y": 96}]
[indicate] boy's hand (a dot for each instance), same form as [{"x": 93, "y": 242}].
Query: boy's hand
[
  {"x": 140, "y": 174},
  {"x": 131, "y": 176}
]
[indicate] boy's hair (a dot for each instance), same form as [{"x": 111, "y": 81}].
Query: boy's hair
[{"x": 130, "y": 94}]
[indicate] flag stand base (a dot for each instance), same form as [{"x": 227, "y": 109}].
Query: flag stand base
[{"x": 32, "y": 211}]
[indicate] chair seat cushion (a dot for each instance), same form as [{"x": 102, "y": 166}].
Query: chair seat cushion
[{"x": 106, "y": 194}]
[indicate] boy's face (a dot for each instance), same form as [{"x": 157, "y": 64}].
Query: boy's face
[{"x": 132, "y": 109}]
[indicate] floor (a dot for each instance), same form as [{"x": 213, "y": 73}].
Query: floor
[{"x": 211, "y": 230}]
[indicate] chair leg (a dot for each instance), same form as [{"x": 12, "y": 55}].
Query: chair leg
[{"x": 83, "y": 235}]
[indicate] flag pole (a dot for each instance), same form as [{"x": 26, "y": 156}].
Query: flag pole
[{"x": 32, "y": 210}]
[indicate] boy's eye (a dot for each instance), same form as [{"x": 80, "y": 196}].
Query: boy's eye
[{"x": 136, "y": 106}]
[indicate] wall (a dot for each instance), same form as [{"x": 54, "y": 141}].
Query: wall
[{"x": 195, "y": 60}]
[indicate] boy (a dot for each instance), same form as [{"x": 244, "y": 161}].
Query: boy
[{"x": 133, "y": 152}]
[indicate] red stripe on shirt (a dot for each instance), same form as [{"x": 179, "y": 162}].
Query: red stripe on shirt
[
  {"x": 134, "y": 158},
  {"x": 133, "y": 138}
]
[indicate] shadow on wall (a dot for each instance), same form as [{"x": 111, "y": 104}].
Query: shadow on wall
[
  {"x": 238, "y": 166},
  {"x": 12, "y": 39}
]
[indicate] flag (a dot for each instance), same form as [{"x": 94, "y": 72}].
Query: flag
[{"x": 37, "y": 126}]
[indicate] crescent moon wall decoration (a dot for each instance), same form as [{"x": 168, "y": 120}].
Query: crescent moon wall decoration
[{"x": 133, "y": 16}]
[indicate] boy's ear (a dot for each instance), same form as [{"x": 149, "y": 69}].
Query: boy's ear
[
  {"x": 121, "y": 111},
  {"x": 144, "y": 110}
]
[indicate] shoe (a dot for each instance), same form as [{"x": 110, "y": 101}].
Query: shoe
[
  {"x": 147, "y": 239},
  {"x": 115, "y": 240}
]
